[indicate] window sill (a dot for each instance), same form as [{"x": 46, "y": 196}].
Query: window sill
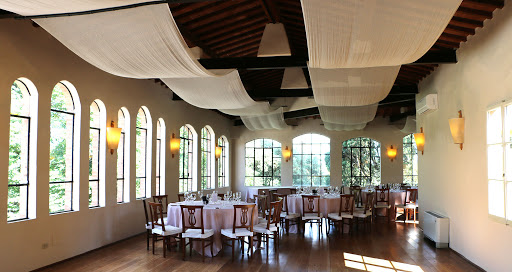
[
  {"x": 63, "y": 212},
  {"x": 95, "y": 207},
  {"x": 19, "y": 220},
  {"x": 124, "y": 202}
]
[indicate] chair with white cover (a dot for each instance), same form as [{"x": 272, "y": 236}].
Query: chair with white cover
[
  {"x": 270, "y": 229},
  {"x": 159, "y": 228},
  {"x": 365, "y": 213},
  {"x": 409, "y": 204},
  {"x": 344, "y": 214},
  {"x": 382, "y": 202},
  {"x": 192, "y": 223},
  {"x": 242, "y": 227},
  {"x": 311, "y": 211}
]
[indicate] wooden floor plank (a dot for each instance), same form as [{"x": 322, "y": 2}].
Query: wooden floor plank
[{"x": 312, "y": 251}]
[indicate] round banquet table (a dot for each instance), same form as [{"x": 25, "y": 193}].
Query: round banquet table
[
  {"x": 216, "y": 217},
  {"x": 395, "y": 197},
  {"x": 327, "y": 205}
]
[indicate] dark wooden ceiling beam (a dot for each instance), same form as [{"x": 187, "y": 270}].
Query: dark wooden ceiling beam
[
  {"x": 464, "y": 22},
  {"x": 293, "y": 61},
  {"x": 489, "y": 5}
]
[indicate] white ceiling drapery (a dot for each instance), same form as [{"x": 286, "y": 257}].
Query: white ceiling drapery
[
  {"x": 369, "y": 33},
  {"x": 273, "y": 120},
  {"x": 410, "y": 125},
  {"x": 339, "y": 127},
  {"x": 348, "y": 115},
  {"x": 352, "y": 86}
]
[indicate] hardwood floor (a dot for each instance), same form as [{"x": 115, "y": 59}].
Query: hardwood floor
[{"x": 311, "y": 252}]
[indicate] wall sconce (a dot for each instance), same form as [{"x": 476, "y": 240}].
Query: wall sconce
[
  {"x": 175, "y": 145},
  {"x": 419, "y": 138},
  {"x": 218, "y": 151},
  {"x": 392, "y": 153},
  {"x": 287, "y": 154},
  {"x": 113, "y": 137},
  {"x": 457, "y": 129}
]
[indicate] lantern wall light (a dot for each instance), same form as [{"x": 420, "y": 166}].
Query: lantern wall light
[
  {"x": 457, "y": 129},
  {"x": 113, "y": 137},
  {"x": 218, "y": 152},
  {"x": 175, "y": 145},
  {"x": 287, "y": 154},
  {"x": 419, "y": 138},
  {"x": 392, "y": 153}
]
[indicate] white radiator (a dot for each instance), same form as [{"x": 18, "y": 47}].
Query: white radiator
[{"x": 436, "y": 227}]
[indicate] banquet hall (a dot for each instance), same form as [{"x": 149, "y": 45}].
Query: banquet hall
[{"x": 265, "y": 135}]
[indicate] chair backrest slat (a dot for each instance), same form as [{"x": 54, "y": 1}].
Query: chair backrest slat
[
  {"x": 284, "y": 202},
  {"x": 162, "y": 199},
  {"x": 308, "y": 204},
  {"x": 157, "y": 216},
  {"x": 346, "y": 204},
  {"x": 370, "y": 197},
  {"x": 246, "y": 219},
  {"x": 189, "y": 217},
  {"x": 274, "y": 215},
  {"x": 382, "y": 195}
]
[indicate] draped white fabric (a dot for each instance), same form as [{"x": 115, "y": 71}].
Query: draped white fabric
[
  {"x": 42, "y": 7},
  {"x": 142, "y": 42},
  {"x": 293, "y": 78},
  {"x": 226, "y": 92},
  {"x": 410, "y": 125},
  {"x": 352, "y": 86},
  {"x": 273, "y": 120},
  {"x": 339, "y": 127},
  {"x": 368, "y": 33},
  {"x": 259, "y": 108},
  {"x": 348, "y": 115}
]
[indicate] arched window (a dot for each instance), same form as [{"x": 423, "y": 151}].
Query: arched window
[
  {"x": 123, "y": 157},
  {"x": 223, "y": 162},
  {"x": 207, "y": 145},
  {"x": 263, "y": 163},
  {"x": 188, "y": 159},
  {"x": 361, "y": 162},
  {"x": 410, "y": 161},
  {"x": 21, "y": 188},
  {"x": 311, "y": 160},
  {"x": 160, "y": 157},
  {"x": 64, "y": 148},
  {"x": 143, "y": 132},
  {"x": 97, "y": 120}
]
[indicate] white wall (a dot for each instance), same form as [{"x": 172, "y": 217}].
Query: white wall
[
  {"x": 379, "y": 130},
  {"x": 27, "y": 51},
  {"x": 452, "y": 181}
]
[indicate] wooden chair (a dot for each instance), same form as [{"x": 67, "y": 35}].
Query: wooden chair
[
  {"x": 159, "y": 228},
  {"x": 345, "y": 213},
  {"x": 270, "y": 229},
  {"x": 272, "y": 194},
  {"x": 220, "y": 196},
  {"x": 181, "y": 197},
  {"x": 287, "y": 216},
  {"x": 410, "y": 203},
  {"x": 162, "y": 199},
  {"x": 148, "y": 223},
  {"x": 357, "y": 192},
  {"x": 193, "y": 229},
  {"x": 366, "y": 213},
  {"x": 261, "y": 200},
  {"x": 242, "y": 227},
  {"x": 382, "y": 202},
  {"x": 293, "y": 191},
  {"x": 311, "y": 211}
]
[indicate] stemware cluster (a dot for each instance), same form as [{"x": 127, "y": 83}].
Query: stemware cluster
[{"x": 190, "y": 196}]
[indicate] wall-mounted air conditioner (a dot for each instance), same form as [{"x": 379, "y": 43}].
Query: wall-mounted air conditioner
[{"x": 427, "y": 104}]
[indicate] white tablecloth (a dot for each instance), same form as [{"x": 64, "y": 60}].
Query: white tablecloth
[{"x": 216, "y": 217}]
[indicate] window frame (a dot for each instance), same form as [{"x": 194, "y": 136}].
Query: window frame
[
  {"x": 503, "y": 144},
  {"x": 125, "y": 138},
  {"x": 31, "y": 141},
  {"x": 296, "y": 154},
  {"x": 360, "y": 148},
  {"x": 414, "y": 154},
  {"x": 206, "y": 152},
  {"x": 222, "y": 163},
  {"x": 75, "y": 150},
  {"x": 190, "y": 181},
  {"x": 147, "y": 153},
  {"x": 263, "y": 176},
  {"x": 160, "y": 158}
]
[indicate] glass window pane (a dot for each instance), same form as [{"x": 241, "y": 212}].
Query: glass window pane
[
  {"x": 93, "y": 194},
  {"x": 94, "y": 150},
  {"x": 120, "y": 191},
  {"x": 496, "y": 198},
  {"x": 61, "y": 146},
  {"x": 17, "y": 202},
  {"x": 494, "y": 126},
  {"x": 18, "y": 150},
  {"x": 495, "y": 162},
  {"x": 61, "y": 195},
  {"x": 509, "y": 201}
]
